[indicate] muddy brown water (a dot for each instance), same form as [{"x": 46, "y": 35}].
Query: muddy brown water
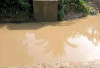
[{"x": 48, "y": 42}]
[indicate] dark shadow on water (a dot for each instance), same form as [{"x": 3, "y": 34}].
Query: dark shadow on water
[{"x": 34, "y": 25}]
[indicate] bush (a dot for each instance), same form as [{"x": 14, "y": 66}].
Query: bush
[
  {"x": 14, "y": 8},
  {"x": 61, "y": 8},
  {"x": 79, "y": 5}
]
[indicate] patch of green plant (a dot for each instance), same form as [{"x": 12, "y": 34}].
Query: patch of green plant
[
  {"x": 79, "y": 5},
  {"x": 14, "y": 8},
  {"x": 61, "y": 9}
]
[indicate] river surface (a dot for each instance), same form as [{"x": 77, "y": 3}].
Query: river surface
[{"x": 47, "y": 42}]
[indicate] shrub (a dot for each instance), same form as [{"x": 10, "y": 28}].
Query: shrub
[
  {"x": 14, "y": 8},
  {"x": 61, "y": 8},
  {"x": 79, "y": 5}
]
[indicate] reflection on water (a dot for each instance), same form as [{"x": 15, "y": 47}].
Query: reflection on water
[
  {"x": 22, "y": 44},
  {"x": 86, "y": 48},
  {"x": 35, "y": 47}
]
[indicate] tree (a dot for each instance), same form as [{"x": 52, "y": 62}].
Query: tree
[
  {"x": 13, "y": 7},
  {"x": 31, "y": 16}
]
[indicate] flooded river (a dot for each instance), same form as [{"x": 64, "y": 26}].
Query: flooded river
[{"x": 47, "y": 42}]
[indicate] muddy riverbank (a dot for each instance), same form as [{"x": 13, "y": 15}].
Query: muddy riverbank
[{"x": 91, "y": 64}]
